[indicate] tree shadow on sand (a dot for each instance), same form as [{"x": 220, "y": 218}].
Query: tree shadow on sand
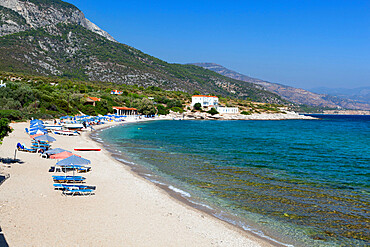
[{"x": 9, "y": 161}]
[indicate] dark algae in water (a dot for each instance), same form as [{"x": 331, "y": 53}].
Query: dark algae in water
[{"x": 301, "y": 182}]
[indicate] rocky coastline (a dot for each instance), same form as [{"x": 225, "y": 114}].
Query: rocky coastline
[{"x": 285, "y": 115}]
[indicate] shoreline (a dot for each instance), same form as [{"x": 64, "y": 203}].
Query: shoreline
[
  {"x": 180, "y": 196},
  {"x": 126, "y": 209}
]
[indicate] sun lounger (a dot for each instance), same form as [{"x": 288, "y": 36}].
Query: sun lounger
[
  {"x": 74, "y": 190},
  {"x": 69, "y": 179},
  {"x": 79, "y": 186},
  {"x": 21, "y": 147},
  {"x": 80, "y": 192}
]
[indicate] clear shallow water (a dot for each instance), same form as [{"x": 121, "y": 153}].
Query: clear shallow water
[{"x": 298, "y": 179}]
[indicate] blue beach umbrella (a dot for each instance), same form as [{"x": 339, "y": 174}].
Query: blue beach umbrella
[
  {"x": 45, "y": 138},
  {"x": 36, "y": 121},
  {"x": 37, "y": 132},
  {"x": 56, "y": 151},
  {"x": 74, "y": 160}
]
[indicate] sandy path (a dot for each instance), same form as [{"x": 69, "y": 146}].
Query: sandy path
[{"x": 126, "y": 210}]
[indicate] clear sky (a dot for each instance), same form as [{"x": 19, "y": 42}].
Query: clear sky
[{"x": 301, "y": 43}]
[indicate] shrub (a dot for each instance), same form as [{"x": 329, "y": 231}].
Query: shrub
[
  {"x": 11, "y": 115},
  {"x": 162, "y": 110},
  {"x": 246, "y": 113},
  {"x": 213, "y": 111},
  {"x": 4, "y": 128},
  {"x": 197, "y": 106},
  {"x": 177, "y": 109}
]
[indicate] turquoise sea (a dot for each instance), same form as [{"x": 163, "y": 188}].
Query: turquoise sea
[{"x": 296, "y": 182}]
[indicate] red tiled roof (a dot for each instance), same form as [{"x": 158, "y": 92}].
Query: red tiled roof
[
  {"x": 124, "y": 108},
  {"x": 94, "y": 98},
  {"x": 204, "y": 96}
]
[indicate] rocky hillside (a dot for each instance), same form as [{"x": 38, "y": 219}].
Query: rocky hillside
[
  {"x": 54, "y": 38},
  {"x": 361, "y": 94},
  {"x": 296, "y": 95},
  {"x": 20, "y": 15}
]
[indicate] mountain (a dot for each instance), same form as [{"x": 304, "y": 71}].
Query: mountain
[
  {"x": 360, "y": 94},
  {"x": 20, "y": 15},
  {"x": 296, "y": 95},
  {"x": 53, "y": 38}
]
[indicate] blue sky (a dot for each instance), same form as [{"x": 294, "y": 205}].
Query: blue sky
[{"x": 299, "y": 43}]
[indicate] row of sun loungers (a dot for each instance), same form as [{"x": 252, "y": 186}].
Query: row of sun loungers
[
  {"x": 75, "y": 189},
  {"x": 69, "y": 185}
]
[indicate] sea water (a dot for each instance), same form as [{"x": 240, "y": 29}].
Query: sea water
[{"x": 296, "y": 182}]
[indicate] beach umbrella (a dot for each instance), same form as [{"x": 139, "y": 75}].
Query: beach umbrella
[
  {"x": 61, "y": 155},
  {"x": 33, "y": 136},
  {"x": 55, "y": 151},
  {"x": 74, "y": 160},
  {"x": 45, "y": 138},
  {"x": 37, "y": 128},
  {"x": 37, "y": 132},
  {"x": 36, "y": 121}
]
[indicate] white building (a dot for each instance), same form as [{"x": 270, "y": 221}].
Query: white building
[
  {"x": 116, "y": 92},
  {"x": 227, "y": 110},
  {"x": 206, "y": 101}
]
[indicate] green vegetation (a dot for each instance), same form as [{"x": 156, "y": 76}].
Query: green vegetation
[
  {"x": 4, "y": 128},
  {"x": 197, "y": 106},
  {"x": 45, "y": 97},
  {"x": 8, "y": 14},
  {"x": 246, "y": 113},
  {"x": 213, "y": 111}
]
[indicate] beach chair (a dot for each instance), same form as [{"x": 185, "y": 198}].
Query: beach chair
[
  {"x": 69, "y": 179},
  {"x": 76, "y": 191},
  {"x": 21, "y": 147}
]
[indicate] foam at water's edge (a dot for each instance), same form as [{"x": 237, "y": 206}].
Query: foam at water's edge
[{"x": 177, "y": 190}]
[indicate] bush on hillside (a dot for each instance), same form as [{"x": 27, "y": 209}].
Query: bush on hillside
[
  {"x": 246, "y": 113},
  {"x": 213, "y": 111},
  {"x": 11, "y": 115},
  {"x": 197, "y": 106},
  {"x": 4, "y": 128}
]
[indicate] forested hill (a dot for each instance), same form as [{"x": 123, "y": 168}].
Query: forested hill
[{"x": 62, "y": 46}]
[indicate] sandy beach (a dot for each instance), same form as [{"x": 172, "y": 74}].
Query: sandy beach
[{"x": 126, "y": 209}]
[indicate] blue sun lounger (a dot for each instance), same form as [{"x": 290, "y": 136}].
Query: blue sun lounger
[
  {"x": 68, "y": 186},
  {"x": 21, "y": 147},
  {"x": 74, "y": 190},
  {"x": 69, "y": 179}
]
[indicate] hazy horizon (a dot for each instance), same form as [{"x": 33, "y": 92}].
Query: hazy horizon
[{"x": 305, "y": 44}]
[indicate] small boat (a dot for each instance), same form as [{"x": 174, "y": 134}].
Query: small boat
[
  {"x": 53, "y": 127},
  {"x": 87, "y": 149},
  {"x": 66, "y": 132},
  {"x": 73, "y": 126}
]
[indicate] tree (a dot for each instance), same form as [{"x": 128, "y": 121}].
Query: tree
[
  {"x": 4, "y": 128},
  {"x": 144, "y": 106},
  {"x": 213, "y": 111},
  {"x": 162, "y": 110},
  {"x": 197, "y": 106}
]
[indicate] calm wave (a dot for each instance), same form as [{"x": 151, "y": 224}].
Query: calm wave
[{"x": 298, "y": 179}]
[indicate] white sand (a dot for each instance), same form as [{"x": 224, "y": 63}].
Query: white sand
[{"x": 126, "y": 210}]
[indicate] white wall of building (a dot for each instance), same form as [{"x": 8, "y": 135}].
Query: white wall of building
[
  {"x": 205, "y": 100},
  {"x": 227, "y": 110}
]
